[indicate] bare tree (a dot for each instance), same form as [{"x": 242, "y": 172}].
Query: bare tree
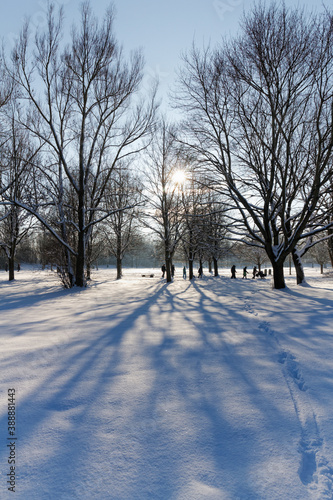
[
  {"x": 120, "y": 229},
  {"x": 162, "y": 193},
  {"x": 192, "y": 213},
  {"x": 83, "y": 103},
  {"x": 320, "y": 253},
  {"x": 250, "y": 253},
  {"x": 204, "y": 228},
  {"x": 18, "y": 163},
  {"x": 214, "y": 229},
  {"x": 259, "y": 115}
]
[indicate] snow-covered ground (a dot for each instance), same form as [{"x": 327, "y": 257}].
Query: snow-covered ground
[{"x": 137, "y": 389}]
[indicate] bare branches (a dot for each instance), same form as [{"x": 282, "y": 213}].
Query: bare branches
[
  {"x": 82, "y": 104},
  {"x": 259, "y": 114}
]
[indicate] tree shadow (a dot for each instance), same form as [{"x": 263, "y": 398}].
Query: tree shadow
[{"x": 150, "y": 397}]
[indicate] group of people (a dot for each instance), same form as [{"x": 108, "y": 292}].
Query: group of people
[
  {"x": 163, "y": 269},
  {"x": 255, "y": 272}
]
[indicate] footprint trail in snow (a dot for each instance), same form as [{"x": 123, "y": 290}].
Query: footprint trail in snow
[{"x": 314, "y": 471}]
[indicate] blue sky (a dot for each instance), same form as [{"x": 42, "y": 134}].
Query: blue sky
[{"x": 163, "y": 29}]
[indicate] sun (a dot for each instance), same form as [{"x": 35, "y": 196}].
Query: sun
[{"x": 179, "y": 177}]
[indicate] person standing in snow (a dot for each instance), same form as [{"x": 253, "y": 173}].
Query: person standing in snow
[
  {"x": 245, "y": 272},
  {"x": 233, "y": 272},
  {"x": 184, "y": 272},
  {"x": 163, "y": 269},
  {"x": 254, "y": 272},
  {"x": 172, "y": 270},
  {"x": 200, "y": 272}
]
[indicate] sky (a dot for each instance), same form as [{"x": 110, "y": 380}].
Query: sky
[{"x": 164, "y": 30}]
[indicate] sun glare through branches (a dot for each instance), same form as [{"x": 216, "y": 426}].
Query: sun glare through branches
[{"x": 179, "y": 177}]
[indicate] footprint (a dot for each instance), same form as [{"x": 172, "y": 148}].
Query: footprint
[
  {"x": 264, "y": 325},
  {"x": 307, "y": 467},
  {"x": 282, "y": 356},
  {"x": 292, "y": 369}
]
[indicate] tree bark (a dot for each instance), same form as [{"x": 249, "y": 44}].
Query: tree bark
[
  {"x": 119, "y": 268},
  {"x": 88, "y": 270},
  {"x": 70, "y": 270},
  {"x": 216, "y": 267},
  {"x": 168, "y": 267},
  {"x": 300, "y": 277},
  {"x": 190, "y": 269},
  {"x": 11, "y": 267},
  {"x": 190, "y": 264},
  {"x": 80, "y": 262},
  {"x": 330, "y": 245},
  {"x": 81, "y": 248},
  {"x": 119, "y": 256},
  {"x": 88, "y": 261},
  {"x": 278, "y": 275}
]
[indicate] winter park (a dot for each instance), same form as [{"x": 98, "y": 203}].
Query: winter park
[
  {"x": 132, "y": 388},
  {"x": 166, "y": 263}
]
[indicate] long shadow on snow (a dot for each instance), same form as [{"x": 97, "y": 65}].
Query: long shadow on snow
[
  {"x": 195, "y": 377},
  {"x": 14, "y": 299},
  {"x": 187, "y": 388},
  {"x": 82, "y": 372},
  {"x": 327, "y": 301}
]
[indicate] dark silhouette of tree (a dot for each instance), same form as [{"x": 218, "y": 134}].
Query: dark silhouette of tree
[{"x": 259, "y": 116}]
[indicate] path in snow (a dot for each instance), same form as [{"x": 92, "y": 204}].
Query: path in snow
[{"x": 315, "y": 470}]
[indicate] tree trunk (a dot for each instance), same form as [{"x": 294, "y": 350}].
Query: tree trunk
[
  {"x": 11, "y": 260},
  {"x": 210, "y": 265},
  {"x": 190, "y": 265},
  {"x": 88, "y": 260},
  {"x": 216, "y": 267},
  {"x": 119, "y": 267},
  {"x": 190, "y": 269},
  {"x": 81, "y": 248},
  {"x": 69, "y": 280},
  {"x": 300, "y": 277},
  {"x": 88, "y": 271},
  {"x": 70, "y": 270},
  {"x": 67, "y": 262},
  {"x": 330, "y": 245},
  {"x": 168, "y": 264},
  {"x": 278, "y": 275},
  {"x": 80, "y": 262},
  {"x": 11, "y": 267},
  {"x": 119, "y": 256}
]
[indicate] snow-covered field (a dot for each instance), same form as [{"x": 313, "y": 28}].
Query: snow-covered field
[{"x": 137, "y": 389}]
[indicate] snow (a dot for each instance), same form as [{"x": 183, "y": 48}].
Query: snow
[{"x": 137, "y": 389}]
